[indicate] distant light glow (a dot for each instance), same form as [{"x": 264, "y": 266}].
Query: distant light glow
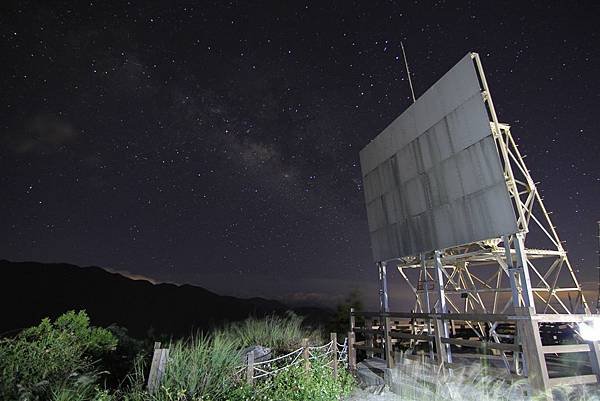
[{"x": 590, "y": 330}]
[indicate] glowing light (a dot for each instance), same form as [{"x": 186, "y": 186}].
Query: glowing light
[{"x": 590, "y": 330}]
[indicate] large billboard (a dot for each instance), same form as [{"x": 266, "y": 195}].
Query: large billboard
[{"x": 433, "y": 178}]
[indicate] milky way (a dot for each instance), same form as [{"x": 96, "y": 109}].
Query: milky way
[{"x": 218, "y": 144}]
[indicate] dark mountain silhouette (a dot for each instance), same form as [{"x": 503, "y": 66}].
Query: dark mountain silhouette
[{"x": 30, "y": 291}]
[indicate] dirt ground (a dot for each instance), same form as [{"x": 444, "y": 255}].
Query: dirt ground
[{"x": 361, "y": 395}]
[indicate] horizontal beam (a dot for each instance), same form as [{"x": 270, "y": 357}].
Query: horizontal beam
[
  {"x": 573, "y": 380},
  {"x": 478, "y": 317},
  {"x": 481, "y": 344},
  {"x": 564, "y": 349},
  {"x": 368, "y": 348},
  {"x": 367, "y": 331},
  {"x": 424, "y": 337},
  {"x": 563, "y": 318},
  {"x": 392, "y": 315},
  {"x": 483, "y": 317}
]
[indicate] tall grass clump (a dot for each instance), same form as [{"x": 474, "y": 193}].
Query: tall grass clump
[
  {"x": 419, "y": 381},
  {"x": 280, "y": 333},
  {"x": 203, "y": 368}
]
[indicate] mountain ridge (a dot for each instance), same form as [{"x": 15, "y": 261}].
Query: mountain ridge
[{"x": 34, "y": 290}]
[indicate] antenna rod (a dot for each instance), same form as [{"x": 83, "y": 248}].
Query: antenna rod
[{"x": 412, "y": 91}]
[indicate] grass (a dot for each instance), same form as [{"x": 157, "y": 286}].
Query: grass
[
  {"x": 421, "y": 381},
  {"x": 279, "y": 333},
  {"x": 204, "y": 366}
]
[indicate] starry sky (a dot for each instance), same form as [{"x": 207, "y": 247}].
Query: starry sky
[{"x": 216, "y": 143}]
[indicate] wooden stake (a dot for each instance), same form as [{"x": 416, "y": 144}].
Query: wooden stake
[
  {"x": 333, "y": 337},
  {"x": 250, "y": 368},
  {"x": 305, "y": 354},
  {"x": 351, "y": 351}
]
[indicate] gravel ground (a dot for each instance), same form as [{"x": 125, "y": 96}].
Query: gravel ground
[{"x": 361, "y": 395}]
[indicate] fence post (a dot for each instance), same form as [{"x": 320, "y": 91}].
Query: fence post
[
  {"x": 250, "y": 367},
  {"x": 351, "y": 351},
  {"x": 333, "y": 337},
  {"x": 369, "y": 336},
  {"x": 157, "y": 369},
  {"x": 305, "y": 354},
  {"x": 529, "y": 334},
  {"x": 352, "y": 320}
]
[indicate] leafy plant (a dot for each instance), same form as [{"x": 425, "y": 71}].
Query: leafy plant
[
  {"x": 315, "y": 384},
  {"x": 51, "y": 356}
]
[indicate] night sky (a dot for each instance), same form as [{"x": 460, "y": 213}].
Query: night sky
[{"x": 217, "y": 143}]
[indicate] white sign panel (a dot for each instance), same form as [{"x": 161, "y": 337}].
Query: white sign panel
[{"x": 433, "y": 177}]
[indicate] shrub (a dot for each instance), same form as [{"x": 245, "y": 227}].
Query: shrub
[
  {"x": 298, "y": 384},
  {"x": 51, "y": 356}
]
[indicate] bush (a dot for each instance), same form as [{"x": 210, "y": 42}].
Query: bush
[
  {"x": 50, "y": 356},
  {"x": 316, "y": 384}
]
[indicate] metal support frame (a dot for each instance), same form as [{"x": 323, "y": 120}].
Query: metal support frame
[{"x": 499, "y": 275}]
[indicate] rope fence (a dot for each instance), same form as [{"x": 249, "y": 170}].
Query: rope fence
[{"x": 336, "y": 354}]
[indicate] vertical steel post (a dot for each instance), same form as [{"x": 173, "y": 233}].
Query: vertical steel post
[
  {"x": 425, "y": 284},
  {"x": 384, "y": 289},
  {"x": 442, "y": 296},
  {"x": 385, "y": 308},
  {"x": 521, "y": 257},
  {"x": 511, "y": 272},
  {"x": 427, "y": 303}
]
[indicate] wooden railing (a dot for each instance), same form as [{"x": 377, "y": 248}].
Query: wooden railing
[{"x": 379, "y": 332}]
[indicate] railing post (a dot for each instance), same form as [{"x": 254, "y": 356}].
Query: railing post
[
  {"x": 250, "y": 368},
  {"x": 369, "y": 336},
  {"x": 352, "y": 320},
  {"x": 333, "y": 337},
  {"x": 305, "y": 355},
  {"x": 529, "y": 334},
  {"x": 351, "y": 351}
]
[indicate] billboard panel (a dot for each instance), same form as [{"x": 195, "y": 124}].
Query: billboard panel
[{"x": 433, "y": 178}]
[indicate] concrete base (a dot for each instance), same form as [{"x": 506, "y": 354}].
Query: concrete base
[{"x": 370, "y": 374}]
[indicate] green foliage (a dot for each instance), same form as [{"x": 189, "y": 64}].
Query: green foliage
[
  {"x": 58, "y": 361},
  {"x": 121, "y": 362},
  {"x": 340, "y": 321},
  {"x": 298, "y": 384},
  {"x": 52, "y": 355},
  {"x": 278, "y": 333},
  {"x": 202, "y": 369}
]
